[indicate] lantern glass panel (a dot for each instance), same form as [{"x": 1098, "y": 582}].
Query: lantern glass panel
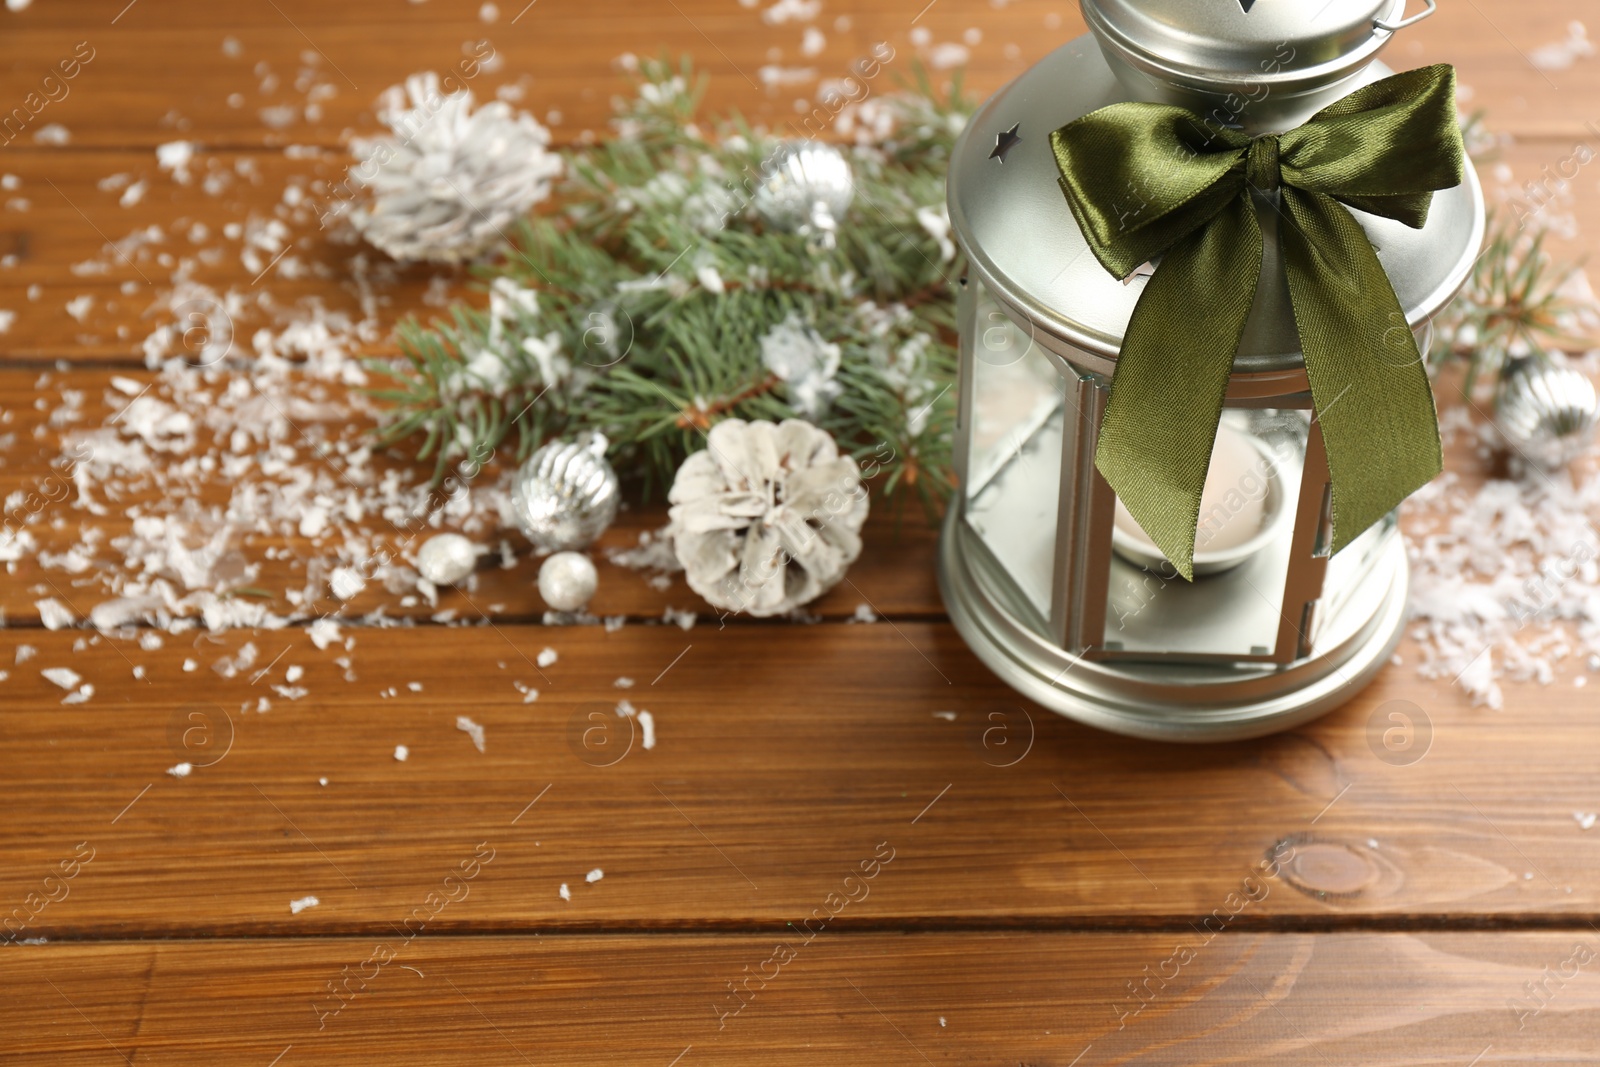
[
  {"x": 1243, "y": 548},
  {"x": 1349, "y": 568},
  {"x": 1013, "y": 478}
]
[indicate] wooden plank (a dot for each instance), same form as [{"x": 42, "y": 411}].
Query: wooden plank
[
  {"x": 338, "y": 57},
  {"x": 562, "y": 55},
  {"x": 1019, "y": 997},
  {"x": 783, "y": 756}
]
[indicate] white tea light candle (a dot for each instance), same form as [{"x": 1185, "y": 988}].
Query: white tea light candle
[{"x": 1233, "y": 509}]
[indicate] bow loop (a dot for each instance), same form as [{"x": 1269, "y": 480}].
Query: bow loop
[
  {"x": 1383, "y": 149},
  {"x": 1144, "y": 180},
  {"x": 1138, "y": 177}
]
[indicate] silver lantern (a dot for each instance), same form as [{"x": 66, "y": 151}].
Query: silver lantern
[{"x": 1048, "y": 579}]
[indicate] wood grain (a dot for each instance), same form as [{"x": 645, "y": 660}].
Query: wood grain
[
  {"x": 783, "y": 755},
  {"x": 1054, "y": 894},
  {"x": 562, "y": 53},
  {"x": 1031, "y": 998}
]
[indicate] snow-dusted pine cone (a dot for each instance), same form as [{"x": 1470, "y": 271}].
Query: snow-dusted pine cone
[
  {"x": 451, "y": 181},
  {"x": 768, "y": 517}
]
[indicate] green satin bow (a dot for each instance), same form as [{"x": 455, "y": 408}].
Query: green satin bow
[{"x": 1150, "y": 179}]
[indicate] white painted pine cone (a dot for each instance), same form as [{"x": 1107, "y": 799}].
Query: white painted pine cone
[
  {"x": 768, "y": 517},
  {"x": 451, "y": 181}
]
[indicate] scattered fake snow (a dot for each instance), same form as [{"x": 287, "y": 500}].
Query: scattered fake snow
[
  {"x": 472, "y": 730},
  {"x": 65, "y": 677}
]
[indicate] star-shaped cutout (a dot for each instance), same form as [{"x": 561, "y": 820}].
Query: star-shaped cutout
[
  {"x": 1005, "y": 143},
  {"x": 1246, "y": 5}
]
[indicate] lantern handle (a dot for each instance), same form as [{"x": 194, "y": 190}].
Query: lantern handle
[{"x": 1433, "y": 5}]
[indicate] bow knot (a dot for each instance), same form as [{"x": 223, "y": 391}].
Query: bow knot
[
  {"x": 1261, "y": 168},
  {"x": 1384, "y": 149}
]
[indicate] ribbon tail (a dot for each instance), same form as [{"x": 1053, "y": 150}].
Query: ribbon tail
[
  {"x": 1167, "y": 392},
  {"x": 1368, "y": 381}
]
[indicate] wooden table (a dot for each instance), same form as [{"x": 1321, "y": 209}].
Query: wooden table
[{"x": 849, "y": 840}]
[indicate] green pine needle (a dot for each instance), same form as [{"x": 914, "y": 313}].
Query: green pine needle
[
  {"x": 627, "y": 335},
  {"x": 646, "y": 351}
]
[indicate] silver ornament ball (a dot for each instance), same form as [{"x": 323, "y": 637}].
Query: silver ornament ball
[
  {"x": 567, "y": 580},
  {"x": 566, "y": 494},
  {"x": 806, "y": 188},
  {"x": 447, "y": 558},
  {"x": 1546, "y": 410}
]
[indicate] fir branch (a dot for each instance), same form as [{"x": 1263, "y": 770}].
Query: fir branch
[
  {"x": 1512, "y": 305},
  {"x": 654, "y": 284},
  {"x": 637, "y": 305}
]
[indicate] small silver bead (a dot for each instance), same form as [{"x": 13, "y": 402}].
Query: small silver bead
[
  {"x": 447, "y": 558},
  {"x": 567, "y": 580}
]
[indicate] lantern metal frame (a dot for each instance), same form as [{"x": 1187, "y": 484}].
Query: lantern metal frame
[{"x": 1329, "y": 639}]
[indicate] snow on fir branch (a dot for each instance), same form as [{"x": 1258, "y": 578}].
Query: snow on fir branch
[{"x": 649, "y": 301}]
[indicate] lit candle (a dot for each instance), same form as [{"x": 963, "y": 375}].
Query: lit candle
[{"x": 1233, "y": 505}]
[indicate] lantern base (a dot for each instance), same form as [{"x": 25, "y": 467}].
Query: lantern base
[{"x": 1169, "y": 701}]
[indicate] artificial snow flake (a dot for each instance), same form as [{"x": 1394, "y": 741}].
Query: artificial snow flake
[
  {"x": 174, "y": 157},
  {"x": 297, "y": 906},
  {"x": 450, "y": 181},
  {"x": 472, "y": 730},
  {"x": 54, "y": 614},
  {"x": 324, "y": 632},
  {"x": 1559, "y": 55},
  {"x": 65, "y": 677},
  {"x": 936, "y": 221},
  {"x": 807, "y": 364},
  {"x": 346, "y": 582}
]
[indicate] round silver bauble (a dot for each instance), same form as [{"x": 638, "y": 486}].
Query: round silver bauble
[
  {"x": 806, "y": 188},
  {"x": 1546, "y": 410},
  {"x": 566, "y": 494}
]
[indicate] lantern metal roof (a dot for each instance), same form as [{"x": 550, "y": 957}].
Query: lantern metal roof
[
  {"x": 1024, "y": 244},
  {"x": 1221, "y": 43}
]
